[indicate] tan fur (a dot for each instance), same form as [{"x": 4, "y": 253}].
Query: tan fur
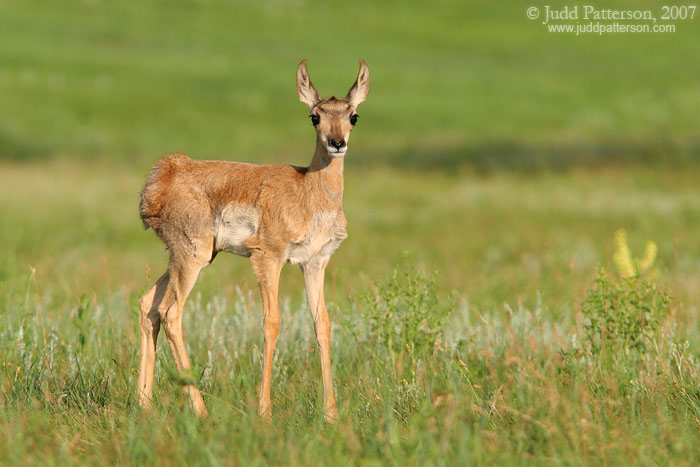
[{"x": 270, "y": 213}]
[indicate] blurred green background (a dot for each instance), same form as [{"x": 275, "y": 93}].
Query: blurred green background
[
  {"x": 488, "y": 149},
  {"x": 453, "y": 83}
]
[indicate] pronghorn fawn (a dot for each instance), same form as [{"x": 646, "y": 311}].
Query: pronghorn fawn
[{"x": 273, "y": 214}]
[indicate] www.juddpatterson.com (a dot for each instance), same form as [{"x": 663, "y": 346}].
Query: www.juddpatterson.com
[{"x": 612, "y": 28}]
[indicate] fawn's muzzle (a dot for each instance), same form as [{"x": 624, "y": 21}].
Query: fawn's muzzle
[{"x": 336, "y": 143}]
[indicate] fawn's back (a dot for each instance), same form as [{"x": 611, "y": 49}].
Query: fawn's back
[{"x": 237, "y": 207}]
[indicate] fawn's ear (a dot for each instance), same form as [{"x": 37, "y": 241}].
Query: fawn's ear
[
  {"x": 306, "y": 90},
  {"x": 358, "y": 91}
]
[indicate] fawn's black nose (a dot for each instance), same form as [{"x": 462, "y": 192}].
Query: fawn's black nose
[{"x": 336, "y": 143}]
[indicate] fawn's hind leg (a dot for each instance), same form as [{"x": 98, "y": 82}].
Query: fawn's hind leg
[
  {"x": 183, "y": 274},
  {"x": 163, "y": 305},
  {"x": 150, "y": 326}
]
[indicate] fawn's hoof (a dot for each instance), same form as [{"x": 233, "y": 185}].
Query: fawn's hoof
[{"x": 331, "y": 416}]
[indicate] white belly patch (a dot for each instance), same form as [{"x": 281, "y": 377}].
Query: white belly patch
[{"x": 235, "y": 224}]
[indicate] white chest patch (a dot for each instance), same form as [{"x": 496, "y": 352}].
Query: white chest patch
[
  {"x": 326, "y": 232},
  {"x": 235, "y": 224}
]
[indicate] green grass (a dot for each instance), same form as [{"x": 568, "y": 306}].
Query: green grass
[{"x": 496, "y": 155}]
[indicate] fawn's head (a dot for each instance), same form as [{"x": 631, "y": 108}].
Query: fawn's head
[{"x": 332, "y": 117}]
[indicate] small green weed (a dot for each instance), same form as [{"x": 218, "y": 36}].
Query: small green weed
[
  {"x": 623, "y": 316},
  {"x": 402, "y": 317}
]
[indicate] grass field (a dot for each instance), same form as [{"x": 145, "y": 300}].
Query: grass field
[{"x": 491, "y": 169}]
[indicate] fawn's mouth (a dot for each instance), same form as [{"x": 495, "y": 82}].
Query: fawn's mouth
[{"x": 338, "y": 153}]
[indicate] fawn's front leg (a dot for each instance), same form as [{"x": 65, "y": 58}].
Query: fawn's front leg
[
  {"x": 267, "y": 271},
  {"x": 313, "y": 281}
]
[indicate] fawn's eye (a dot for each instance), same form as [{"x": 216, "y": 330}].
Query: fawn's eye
[
  {"x": 315, "y": 119},
  {"x": 353, "y": 119}
]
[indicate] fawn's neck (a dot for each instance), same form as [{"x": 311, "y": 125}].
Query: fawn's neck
[{"x": 325, "y": 175}]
